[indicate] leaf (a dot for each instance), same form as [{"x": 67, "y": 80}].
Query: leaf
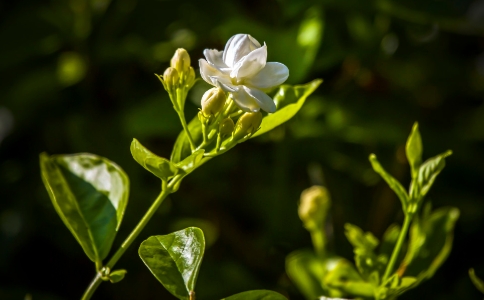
[
  {"x": 90, "y": 194},
  {"x": 117, "y": 275},
  {"x": 182, "y": 149},
  {"x": 413, "y": 150},
  {"x": 389, "y": 240},
  {"x": 175, "y": 259},
  {"x": 343, "y": 277},
  {"x": 364, "y": 244},
  {"x": 295, "y": 96},
  {"x": 392, "y": 182},
  {"x": 395, "y": 286},
  {"x": 430, "y": 243},
  {"x": 257, "y": 295},
  {"x": 191, "y": 162},
  {"x": 306, "y": 271},
  {"x": 429, "y": 170},
  {"x": 476, "y": 280},
  {"x": 159, "y": 166}
]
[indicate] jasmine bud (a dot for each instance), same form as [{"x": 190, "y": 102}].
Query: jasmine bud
[
  {"x": 248, "y": 123},
  {"x": 213, "y": 101},
  {"x": 314, "y": 206},
  {"x": 181, "y": 61},
  {"x": 171, "y": 77}
]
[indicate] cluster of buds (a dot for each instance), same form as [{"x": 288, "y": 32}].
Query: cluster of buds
[{"x": 179, "y": 78}]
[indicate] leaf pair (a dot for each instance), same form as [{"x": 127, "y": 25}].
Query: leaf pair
[
  {"x": 90, "y": 194},
  {"x": 423, "y": 174},
  {"x": 175, "y": 260},
  {"x": 289, "y": 100}
]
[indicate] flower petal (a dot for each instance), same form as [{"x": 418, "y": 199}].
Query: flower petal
[
  {"x": 208, "y": 71},
  {"x": 244, "y": 100},
  {"x": 251, "y": 64},
  {"x": 272, "y": 74},
  {"x": 265, "y": 102},
  {"x": 237, "y": 47},
  {"x": 224, "y": 84},
  {"x": 214, "y": 57}
]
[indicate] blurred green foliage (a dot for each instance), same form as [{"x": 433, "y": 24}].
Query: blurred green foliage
[{"x": 77, "y": 76}]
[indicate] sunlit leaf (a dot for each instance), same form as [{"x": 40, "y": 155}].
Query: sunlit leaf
[
  {"x": 117, "y": 275},
  {"x": 257, "y": 295},
  {"x": 295, "y": 96},
  {"x": 413, "y": 150},
  {"x": 395, "y": 286},
  {"x": 429, "y": 170},
  {"x": 343, "y": 277},
  {"x": 159, "y": 166},
  {"x": 175, "y": 259},
  {"x": 306, "y": 271},
  {"x": 191, "y": 162},
  {"x": 392, "y": 182},
  {"x": 90, "y": 194}
]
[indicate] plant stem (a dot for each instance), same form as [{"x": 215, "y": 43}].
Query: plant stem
[
  {"x": 181, "y": 114},
  {"x": 319, "y": 241},
  {"x": 398, "y": 246},
  {"x": 180, "y": 100},
  {"x": 130, "y": 239}
]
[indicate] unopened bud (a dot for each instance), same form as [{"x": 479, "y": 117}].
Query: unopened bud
[
  {"x": 171, "y": 77},
  {"x": 213, "y": 101},
  {"x": 226, "y": 127},
  {"x": 248, "y": 123},
  {"x": 181, "y": 61},
  {"x": 314, "y": 206},
  {"x": 190, "y": 77}
]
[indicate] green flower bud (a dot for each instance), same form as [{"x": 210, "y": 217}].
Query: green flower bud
[
  {"x": 314, "y": 206},
  {"x": 181, "y": 61},
  {"x": 248, "y": 123},
  {"x": 190, "y": 77},
  {"x": 213, "y": 101},
  {"x": 226, "y": 127},
  {"x": 171, "y": 78}
]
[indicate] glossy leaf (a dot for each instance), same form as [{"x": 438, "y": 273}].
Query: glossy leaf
[
  {"x": 430, "y": 243},
  {"x": 476, "y": 280},
  {"x": 392, "y": 182},
  {"x": 413, "y": 150},
  {"x": 175, "y": 259},
  {"x": 429, "y": 170},
  {"x": 289, "y": 100},
  {"x": 191, "y": 162},
  {"x": 90, "y": 194},
  {"x": 257, "y": 295},
  {"x": 117, "y": 275},
  {"x": 159, "y": 166}
]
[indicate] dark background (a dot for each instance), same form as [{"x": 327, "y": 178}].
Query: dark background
[{"x": 77, "y": 76}]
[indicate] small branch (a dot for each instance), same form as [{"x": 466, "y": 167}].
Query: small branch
[{"x": 398, "y": 246}]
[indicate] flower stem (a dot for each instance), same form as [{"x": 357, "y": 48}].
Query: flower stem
[
  {"x": 167, "y": 189},
  {"x": 398, "y": 246},
  {"x": 319, "y": 241}
]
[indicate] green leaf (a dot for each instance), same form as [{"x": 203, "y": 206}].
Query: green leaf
[
  {"x": 343, "y": 277},
  {"x": 392, "y": 182},
  {"x": 413, "y": 150},
  {"x": 191, "y": 162},
  {"x": 117, "y": 275},
  {"x": 430, "y": 243},
  {"x": 175, "y": 259},
  {"x": 182, "y": 149},
  {"x": 306, "y": 271},
  {"x": 257, "y": 295},
  {"x": 289, "y": 100},
  {"x": 395, "y": 286},
  {"x": 364, "y": 244},
  {"x": 476, "y": 280},
  {"x": 159, "y": 166},
  {"x": 429, "y": 170},
  {"x": 389, "y": 240},
  {"x": 90, "y": 194}
]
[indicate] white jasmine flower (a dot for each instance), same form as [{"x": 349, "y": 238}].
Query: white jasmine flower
[{"x": 242, "y": 71}]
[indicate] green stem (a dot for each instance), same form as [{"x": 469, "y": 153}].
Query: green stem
[
  {"x": 179, "y": 108},
  {"x": 398, "y": 246},
  {"x": 92, "y": 287},
  {"x": 181, "y": 114},
  {"x": 319, "y": 241},
  {"x": 167, "y": 189}
]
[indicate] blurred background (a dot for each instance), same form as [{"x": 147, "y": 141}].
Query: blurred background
[{"x": 77, "y": 76}]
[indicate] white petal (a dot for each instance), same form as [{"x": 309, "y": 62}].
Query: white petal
[
  {"x": 273, "y": 74},
  {"x": 208, "y": 71},
  {"x": 244, "y": 100},
  {"x": 251, "y": 64},
  {"x": 224, "y": 84},
  {"x": 265, "y": 102},
  {"x": 214, "y": 57},
  {"x": 237, "y": 47}
]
